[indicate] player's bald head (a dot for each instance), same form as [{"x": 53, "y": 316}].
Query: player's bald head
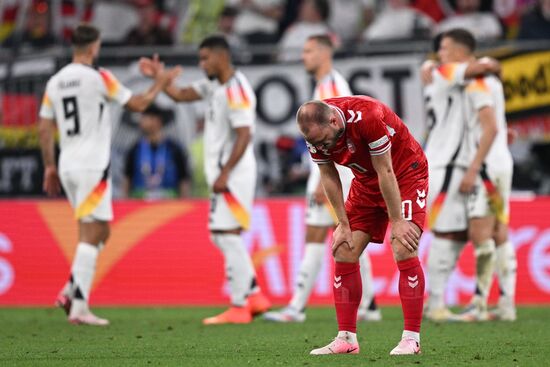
[{"x": 313, "y": 113}]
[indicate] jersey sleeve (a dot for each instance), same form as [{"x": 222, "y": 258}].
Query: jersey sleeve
[
  {"x": 376, "y": 133},
  {"x": 451, "y": 73},
  {"x": 317, "y": 156},
  {"x": 240, "y": 107},
  {"x": 341, "y": 87},
  {"x": 202, "y": 87},
  {"x": 113, "y": 89},
  {"x": 46, "y": 108},
  {"x": 479, "y": 93}
]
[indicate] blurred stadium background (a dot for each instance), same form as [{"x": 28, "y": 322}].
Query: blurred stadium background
[{"x": 159, "y": 252}]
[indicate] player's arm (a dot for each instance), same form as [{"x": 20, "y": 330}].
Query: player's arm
[
  {"x": 243, "y": 137},
  {"x": 488, "y": 122},
  {"x": 150, "y": 67},
  {"x": 401, "y": 229},
  {"x": 333, "y": 189},
  {"x": 140, "y": 102},
  {"x": 483, "y": 66},
  {"x": 187, "y": 94},
  {"x": 46, "y": 130}
]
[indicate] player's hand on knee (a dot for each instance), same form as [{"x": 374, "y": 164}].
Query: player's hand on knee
[
  {"x": 342, "y": 236},
  {"x": 405, "y": 233}
]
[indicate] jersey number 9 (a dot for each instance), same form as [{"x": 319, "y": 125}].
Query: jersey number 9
[{"x": 70, "y": 108}]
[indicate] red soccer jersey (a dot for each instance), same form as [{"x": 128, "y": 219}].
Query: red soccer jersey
[{"x": 371, "y": 128}]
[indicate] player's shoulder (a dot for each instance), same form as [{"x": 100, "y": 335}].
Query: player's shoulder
[
  {"x": 239, "y": 92},
  {"x": 479, "y": 84},
  {"x": 449, "y": 70}
]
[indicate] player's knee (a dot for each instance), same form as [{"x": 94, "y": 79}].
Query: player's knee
[
  {"x": 400, "y": 252},
  {"x": 346, "y": 255}
]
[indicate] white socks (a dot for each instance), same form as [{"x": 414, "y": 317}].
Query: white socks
[
  {"x": 485, "y": 254},
  {"x": 366, "y": 280},
  {"x": 441, "y": 262},
  {"x": 239, "y": 270},
  {"x": 506, "y": 266},
  {"x": 82, "y": 273},
  {"x": 411, "y": 335},
  {"x": 314, "y": 254},
  {"x": 348, "y": 336}
]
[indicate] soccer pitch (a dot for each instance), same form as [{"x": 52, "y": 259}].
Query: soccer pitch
[{"x": 175, "y": 337}]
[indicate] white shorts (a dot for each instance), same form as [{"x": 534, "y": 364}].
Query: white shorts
[
  {"x": 90, "y": 194},
  {"x": 447, "y": 207},
  {"x": 233, "y": 210},
  {"x": 479, "y": 203},
  {"x": 322, "y": 215}
]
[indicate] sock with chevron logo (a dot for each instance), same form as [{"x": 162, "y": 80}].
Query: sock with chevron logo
[
  {"x": 347, "y": 290},
  {"x": 411, "y": 292}
]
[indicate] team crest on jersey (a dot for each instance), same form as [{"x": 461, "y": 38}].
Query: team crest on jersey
[
  {"x": 351, "y": 146},
  {"x": 311, "y": 148}
]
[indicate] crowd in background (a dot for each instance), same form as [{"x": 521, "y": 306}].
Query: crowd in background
[
  {"x": 267, "y": 23},
  {"x": 258, "y": 31}
]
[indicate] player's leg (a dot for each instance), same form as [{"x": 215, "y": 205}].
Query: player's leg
[
  {"x": 448, "y": 222},
  {"x": 411, "y": 292},
  {"x": 225, "y": 228},
  {"x": 506, "y": 267},
  {"x": 481, "y": 234},
  {"x": 411, "y": 275},
  {"x": 506, "y": 264},
  {"x": 91, "y": 235},
  {"x": 89, "y": 193},
  {"x": 314, "y": 253},
  {"x": 368, "y": 309},
  {"x": 347, "y": 288}
]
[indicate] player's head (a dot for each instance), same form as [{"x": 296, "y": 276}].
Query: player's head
[
  {"x": 317, "y": 51},
  {"x": 214, "y": 55},
  {"x": 319, "y": 124},
  {"x": 86, "y": 40},
  {"x": 152, "y": 120},
  {"x": 456, "y": 45}
]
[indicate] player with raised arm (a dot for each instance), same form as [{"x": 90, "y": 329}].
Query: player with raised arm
[
  {"x": 317, "y": 58},
  {"x": 448, "y": 159},
  {"x": 230, "y": 168},
  {"x": 391, "y": 184},
  {"x": 77, "y": 100}
]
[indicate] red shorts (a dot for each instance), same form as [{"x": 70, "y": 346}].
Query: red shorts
[{"x": 366, "y": 208}]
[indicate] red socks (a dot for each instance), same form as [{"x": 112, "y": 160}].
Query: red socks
[
  {"x": 411, "y": 291},
  {"x": 347, "y": 290}
]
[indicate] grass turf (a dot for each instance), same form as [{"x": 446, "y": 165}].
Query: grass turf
[{"x": 175, "y": 337}]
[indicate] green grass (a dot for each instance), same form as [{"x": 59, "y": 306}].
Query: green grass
[{"x": 175, "y": 337}]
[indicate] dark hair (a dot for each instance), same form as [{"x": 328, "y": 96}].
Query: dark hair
[
  {"x": 323, "y": 39},
  {"x": 461, "y": 36},
  {"x": 229, "y": 11},
  {"x": 215, "y": 41},
  {"x": 84, "y": 35},
  {"x": 323, "y": 7},
  {"x": 436, "y": 42},
  {"x": 154, "y": 110}
]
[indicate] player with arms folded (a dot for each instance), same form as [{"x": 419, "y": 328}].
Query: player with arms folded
[
  {"x": 317, "y": 58},
  {"x": 230, "y": 168},
  {"x": 391, "y": 184},
  {"x": 77, "y": 101}
]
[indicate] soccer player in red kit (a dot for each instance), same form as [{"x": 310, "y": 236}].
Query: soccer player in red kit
[{"x": 391, "y": 184}]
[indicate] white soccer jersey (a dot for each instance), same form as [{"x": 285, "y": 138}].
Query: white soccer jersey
[
  {"x": 488, "y": 91},
  {"x": 331, "y": 85},
  {"x": 77, "y": 99},
  {"x": 445, "y": 108},
  {"x": 229, "y": 106}
]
